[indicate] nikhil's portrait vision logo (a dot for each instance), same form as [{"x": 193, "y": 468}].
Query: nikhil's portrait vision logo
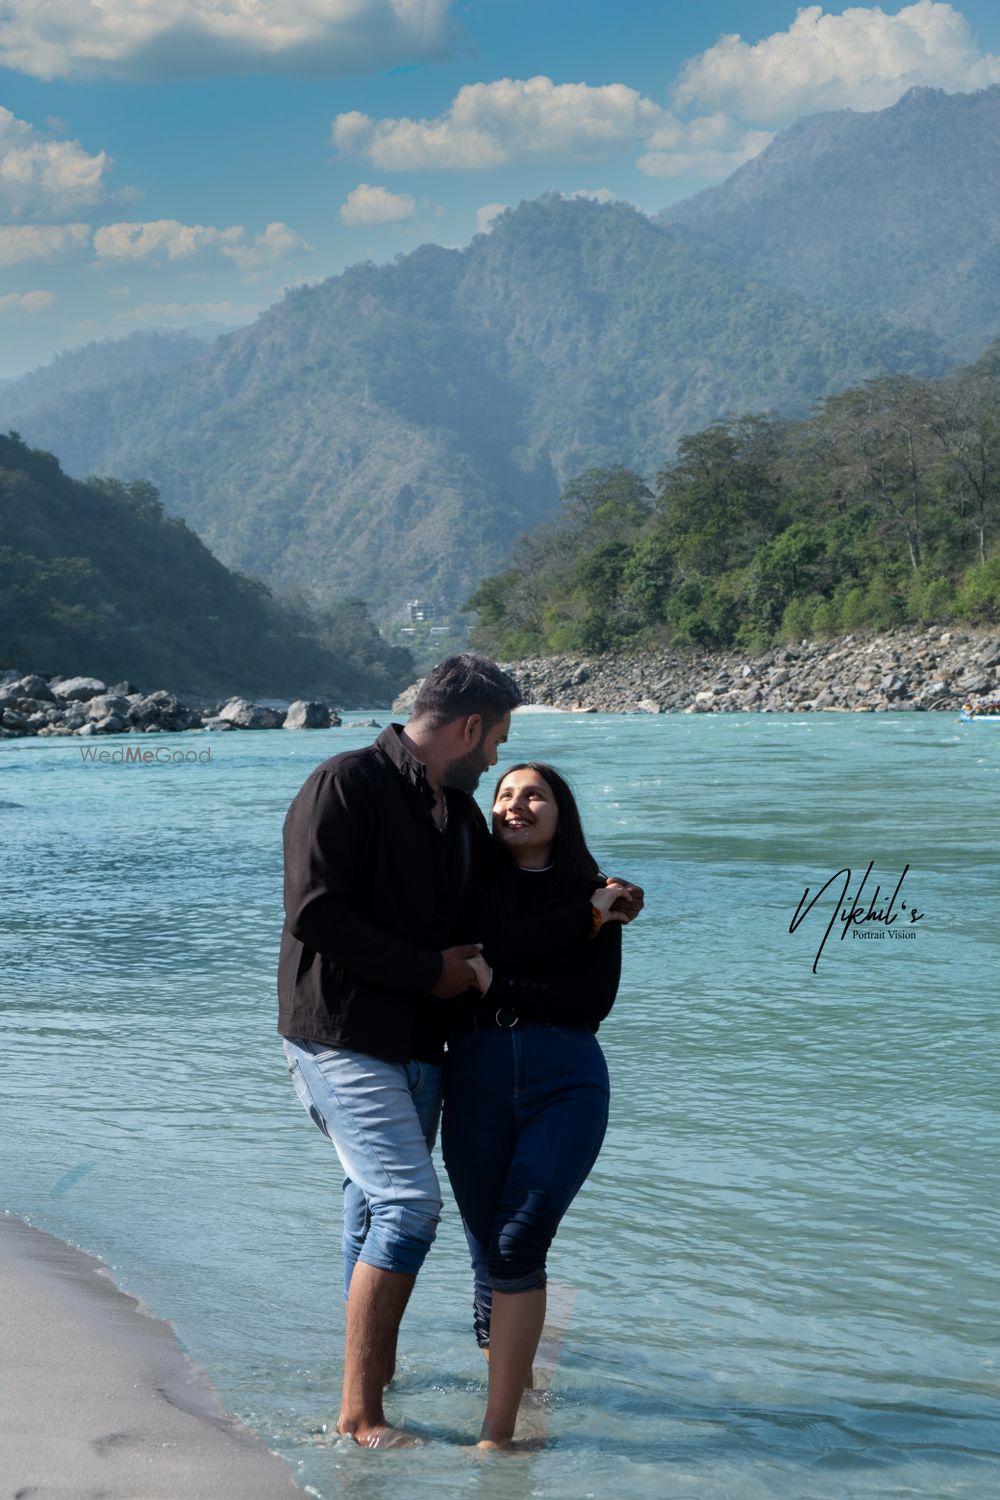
[{"x": 892, "y": 920}]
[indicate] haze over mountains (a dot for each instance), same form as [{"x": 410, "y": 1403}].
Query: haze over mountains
[
  {"x": 389, "y": 431},
  {"x": 895, "y": 213}
]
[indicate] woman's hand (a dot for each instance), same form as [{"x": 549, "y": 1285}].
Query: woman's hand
[
  {"x": 483, "y": 973},
  {"x": 604, "y": 901},
  {"x": 629, "y": 901}
]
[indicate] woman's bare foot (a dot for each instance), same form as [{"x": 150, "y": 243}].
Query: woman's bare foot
[{"x": 381, "y": 1437}]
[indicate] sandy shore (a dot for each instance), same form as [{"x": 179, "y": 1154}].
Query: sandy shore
[{"x": 98, "y": 1399}]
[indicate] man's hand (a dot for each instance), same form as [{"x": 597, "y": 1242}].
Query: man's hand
[
  {"x": 629, "y": 901},
  {"x": 457, "y": 972}
]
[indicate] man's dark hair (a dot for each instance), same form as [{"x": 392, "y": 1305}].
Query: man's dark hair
[{"x": 463, "y": 685}]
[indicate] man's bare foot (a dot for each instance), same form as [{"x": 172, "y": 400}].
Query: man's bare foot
[{"x": 381, "y": 1437}]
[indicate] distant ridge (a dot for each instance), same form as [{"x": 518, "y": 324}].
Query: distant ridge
[{"x": 894, "y": 213}]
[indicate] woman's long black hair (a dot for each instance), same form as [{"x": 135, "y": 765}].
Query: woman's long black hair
[{"x": 571, "y": 858}]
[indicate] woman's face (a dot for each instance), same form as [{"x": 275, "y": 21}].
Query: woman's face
[{"x": 525, "y": 817}]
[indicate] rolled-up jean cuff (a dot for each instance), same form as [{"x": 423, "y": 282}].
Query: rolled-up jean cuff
[
  {"x": 529, "y": 1283},
  {"x": 406, "y": 1254}
]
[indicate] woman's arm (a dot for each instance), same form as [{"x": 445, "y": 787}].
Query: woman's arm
[{"x": 581, "y": 998}]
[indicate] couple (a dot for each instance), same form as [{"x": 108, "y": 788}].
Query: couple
[{"x": 410, "y": 928}]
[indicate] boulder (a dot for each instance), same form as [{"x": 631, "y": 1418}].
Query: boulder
[
  {"x": 123, "y": 690},
  {"x": 111, "y": 724},
  {"x": 647, "y": 706},
  {"x": 303, "y": 714},
  {"x": 403, "y": 705},
  {"x": 162, "y": 711},
  {"x": 246, "y": 715},
  {"x": 36, "y": 687},
  {"x": 214, "y": 723},
  {"x": 11, "y": 719},
  {"x": 78, "y": 689},
  {"x": 107, "y": 703},
  {"x": 358, "y": 723}
]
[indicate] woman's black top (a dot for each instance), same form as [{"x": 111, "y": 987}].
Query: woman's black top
[{"x": 573, "y": 981}]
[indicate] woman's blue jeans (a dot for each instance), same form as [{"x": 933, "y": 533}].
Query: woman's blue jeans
[{"x": 525, "y": 1112}]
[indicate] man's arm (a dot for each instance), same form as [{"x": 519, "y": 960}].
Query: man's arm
[{"x": 325, "y": 833}]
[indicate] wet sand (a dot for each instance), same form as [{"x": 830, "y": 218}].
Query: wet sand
[{"x": 98, "y": 1398}]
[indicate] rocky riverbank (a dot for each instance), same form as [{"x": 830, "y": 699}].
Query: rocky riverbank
[
  {"x": 39, "y": 704},
  {"x": 898, "y": 670}
]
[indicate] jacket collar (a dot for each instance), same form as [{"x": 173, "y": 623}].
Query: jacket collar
[{"x": 411, "y": 769}]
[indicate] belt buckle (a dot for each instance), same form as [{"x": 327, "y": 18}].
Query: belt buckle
[{"x": 506, "y": 1010}]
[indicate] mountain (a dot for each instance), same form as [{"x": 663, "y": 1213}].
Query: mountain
[
  {"x": 95, "y": 579},
  {"x": 94, "y": 366},
  {"x": 389, "y": 431},
  {"x": 894, "y": 213}
]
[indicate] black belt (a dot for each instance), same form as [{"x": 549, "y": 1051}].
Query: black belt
[{"x": 487, "y": 1017}]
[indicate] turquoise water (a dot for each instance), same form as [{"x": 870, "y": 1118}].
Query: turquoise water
[{"x": 781, "y": 1279}]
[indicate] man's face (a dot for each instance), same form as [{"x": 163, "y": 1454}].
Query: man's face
[{"x": 464, "y": 773}]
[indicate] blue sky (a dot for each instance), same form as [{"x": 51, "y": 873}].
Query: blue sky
[{"x": 181, "y": 165}]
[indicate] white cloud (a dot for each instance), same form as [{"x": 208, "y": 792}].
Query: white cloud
[
  {"x": 187, "y": 312},
  {"x": 375, "y": 205},
  {"x": 26, "y": 301},
  {"x": 861, "y": 59},
  {"x": 200, "y": 38},
  {"x": 490, "y": 124},
  {"x": 487, "y": 215},
  {"x": 42, "y": 177},
  {"x": 268, "y": 248},
  {"x": 31, "y": 242},
  {"x": 707, "y": 146},
  {"x": 169, "y": 240}
]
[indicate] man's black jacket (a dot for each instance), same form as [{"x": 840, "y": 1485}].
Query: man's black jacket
[{"x": 371, "y": 892}]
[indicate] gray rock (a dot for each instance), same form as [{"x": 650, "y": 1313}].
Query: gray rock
[
  {"x": 245, "y": 715},
  {"x": 123, "y": 690},
  {"x": 78, "y": 689},
  {"x": 11, "y": 719},
  {"x": 111, "y": 724},
  {"x": 217, "y": 725},
  {"x": 307, "y": 715},
  {"x": 107, "y": 703},
  {"x": 162, "y": 711},
  {"x": 36, "y": 687},
  {"x": 991, "y": 656},
  {"x": 357, "y": 723},
  {"x": 647, "y": 706},
  {"x": 87, "y": 729},
  {"x": 892, "y": 685},
  {"x": 403, "y": 705},
  {"x": 976, "y": 682}
]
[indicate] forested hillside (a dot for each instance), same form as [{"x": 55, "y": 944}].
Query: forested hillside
[
  {"x": 95, "y": 579},
  {"x": 882, "y": 507},
  {"x": 389, "y": 432}
]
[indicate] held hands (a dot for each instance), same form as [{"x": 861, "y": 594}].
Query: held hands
[
  {"x": 484, "y": 974},
  {"x": 629, "y": 899},
  {"x": 458, "y": 970}
]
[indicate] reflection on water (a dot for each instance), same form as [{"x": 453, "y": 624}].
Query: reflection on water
[{"x": 781, "y": 1275}]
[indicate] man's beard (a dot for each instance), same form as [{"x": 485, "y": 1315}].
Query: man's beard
[{"x": 464, "y": 774}]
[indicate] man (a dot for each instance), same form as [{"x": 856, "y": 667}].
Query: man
[
  {"x": 378, "y": 850},
  {"x": 380, "y": 845}
]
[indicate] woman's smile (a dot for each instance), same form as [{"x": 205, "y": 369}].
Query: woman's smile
[{"x": 525, "y": 817}]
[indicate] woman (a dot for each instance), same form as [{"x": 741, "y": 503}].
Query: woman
[{"x": 526, "y": 1085}]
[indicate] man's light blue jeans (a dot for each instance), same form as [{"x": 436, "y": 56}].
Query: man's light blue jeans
[{"x": 382, "y": 1119}]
